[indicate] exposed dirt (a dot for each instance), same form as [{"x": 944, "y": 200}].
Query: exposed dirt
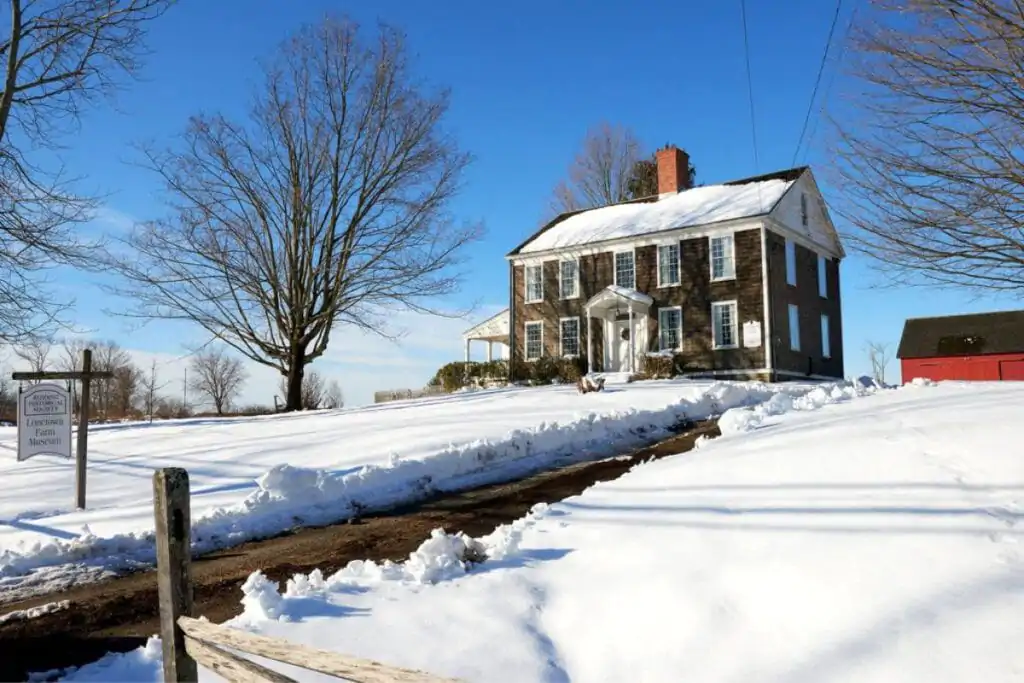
[{"x": 119, "y": 614}]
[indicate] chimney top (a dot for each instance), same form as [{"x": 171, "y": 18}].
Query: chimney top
[{"x": 673, "y": 170}]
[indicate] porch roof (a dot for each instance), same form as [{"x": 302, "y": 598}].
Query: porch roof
[
  {"x": 494, "y": 329},
  {"x": 614, "y": 294}
]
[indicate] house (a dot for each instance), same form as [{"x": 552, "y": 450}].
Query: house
[
  {"x": 739, "y": 279},
  {"x": 981, "y": 346}
]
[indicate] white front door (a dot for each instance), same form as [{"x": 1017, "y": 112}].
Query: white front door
[{"x": 621, "y": 354}]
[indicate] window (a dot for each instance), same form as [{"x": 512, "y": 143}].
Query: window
[
  {"x": 803, "y": 209},
  {"x": 570, "y": 339},
  {"x": 534, "y": 340},
  {"x": 723, "y": 320},
  {"x": 534, "y": 284},
  {"x": 668, "y": 265},
  {"x": 794, "y": 327},
  {"x": 569, "y": 279},
  {"x": 822, "y": 278},
  {"x": 670, "y": 329},
  {"x": 723, "y": 258},
  {"x": 625, "y": 271},
  {"x": 791, "y": 262},
  {"x": 826, "y": 339}
]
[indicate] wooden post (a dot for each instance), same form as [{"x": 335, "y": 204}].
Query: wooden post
[
  {"x": 174, "y": 569},
  {"x": 83, "y": 431}
]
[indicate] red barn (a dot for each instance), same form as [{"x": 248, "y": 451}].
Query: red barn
[{"x": 983, "y": 346}]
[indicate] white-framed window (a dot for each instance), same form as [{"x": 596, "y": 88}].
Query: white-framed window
[
  {"x": 625, "y": 269},
  {"x": 670, "y": 329},
  {"x": 822, "y": 277},
  {"x": 723, "y": 258},
  {"x": 569, "y": 339},
  {"x": 794, "y": 327},
  {"x": 534, "y": 276},
  {"x": 668, "y": 265},
  {"x": 791, "y": 262},
  {"x": 569, "y": 278},
  {"x": 803, "y": 209},
  {"x": 826, "y": 337},
  {"x": 725, "y": 334},
  {"x": 534, "y": 339}
]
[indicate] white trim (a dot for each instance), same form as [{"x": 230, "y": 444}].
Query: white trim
[
  {"x": 825, "y": 329},
  {"x": 759, "y": 371},
  {"x": 765, "y": 296},
  {"x": 822, "y": 277},
  {"x": 711, "y": 258},
  {"x": 615, "y": 267},
  {"x": 790, "y": 246},
  {"x": 526, "y": 339},
  {"x": 526, "y": 283},
  {"x": 561, "y": 337},
  {"x": 678, "y": 309},
  {"x": 790, "y": 311},
  {"x": 568, "y": 259},
  {"x": 679, "y": 264},
  {"x": 803, "y": 239},
  {"x": 630, "y": 243},
  {"x": 735, "y": 325}
]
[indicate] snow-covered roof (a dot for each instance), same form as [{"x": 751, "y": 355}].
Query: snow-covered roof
[
  {"x": 494, "y": 327},
  {"x": 697, "y": 206},
  {"x": 624, "y": 292}
]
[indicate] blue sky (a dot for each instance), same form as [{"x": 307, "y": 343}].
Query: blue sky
[{"x": 528, "y": 79}]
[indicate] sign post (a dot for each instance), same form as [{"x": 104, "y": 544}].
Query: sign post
[{"x": 44, "y": 418}]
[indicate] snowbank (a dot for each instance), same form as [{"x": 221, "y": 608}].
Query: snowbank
[{"x": 289, "y": 496}]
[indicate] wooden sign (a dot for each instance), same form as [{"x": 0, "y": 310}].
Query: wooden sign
[{"x": 44, "y": 421}]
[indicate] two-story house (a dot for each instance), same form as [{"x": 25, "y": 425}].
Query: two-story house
[{"x": 739, "y": 279}]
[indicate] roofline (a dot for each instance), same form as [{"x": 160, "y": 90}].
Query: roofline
[
  {"x": 965, "y": 315},
  {"x": 775, "y": 175},
  {"x": 484, "y": 322}
]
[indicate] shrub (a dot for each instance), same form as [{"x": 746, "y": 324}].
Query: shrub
[
  {"x": 459, "y": 374},
  {"x": 548, "y": 370},
  {"x": 659, "y": 365}
]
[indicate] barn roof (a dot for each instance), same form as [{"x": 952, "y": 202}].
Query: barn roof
[{"x": 963, "y": 335}]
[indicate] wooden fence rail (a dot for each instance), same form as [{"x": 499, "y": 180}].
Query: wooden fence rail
[{"x": 188, "y": 641}]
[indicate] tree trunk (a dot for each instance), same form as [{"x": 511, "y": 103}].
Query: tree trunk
[{"x": 296, "y": 371}]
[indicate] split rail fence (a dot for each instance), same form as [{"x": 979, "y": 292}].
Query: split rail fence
[{"x": 188, "y": 642}]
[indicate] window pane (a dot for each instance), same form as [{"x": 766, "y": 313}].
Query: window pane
[
  {"x": 791, "y": 263},
  {"x": 534, "y": 343},
  {"x": 724, "y": 318},
  {"x": 722, "y": 265},
  {"x": 822, "y": 278},
  {"x": 571, "y": 337},
  {"x": 534, "y": 283},
  {"x": 670, "y": 329},
  {"x": 826, "y": 337},
  {"x": 668, "y": 264},
  {"x": 568, "y": 279},
  {"x": 794, "y": 327},
  {"x": 624, "y": 275}
]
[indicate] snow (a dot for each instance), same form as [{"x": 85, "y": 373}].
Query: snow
[
  {"x": 697, "y": 206},
  {"x": 254, "y": 477},
  {"x": 851, "y": 533}
]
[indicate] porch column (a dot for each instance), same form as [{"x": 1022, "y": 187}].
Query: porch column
[
  {"x": 490, "y": 351},
  {"x": 631, "y": 335},
  {"x": 467, "y": 350},
  {"x": 590, "y": 341}
]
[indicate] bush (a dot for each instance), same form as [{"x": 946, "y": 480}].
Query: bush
[
  {"x": 548, "y": 370},
  {"x": 459, "y": 374},
  {"x": 660, "y": 366}
]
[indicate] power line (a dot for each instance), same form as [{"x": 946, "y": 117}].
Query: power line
[
  {"x": 750, "y": 85},
  {"x": 817, "y": 81},
  {"x": 832, "y": 76}
]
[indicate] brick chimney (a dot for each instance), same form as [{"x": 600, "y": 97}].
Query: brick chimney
[{"x": 673, "y": 170}]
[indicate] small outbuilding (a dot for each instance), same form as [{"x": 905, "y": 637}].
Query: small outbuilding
[{"x": 981, "y": 346}]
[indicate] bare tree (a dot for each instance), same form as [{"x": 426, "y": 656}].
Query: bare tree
[
  {"x": 149, "y": 387},
  {"x": 329, "y": 206},
  {"x": 35, "y": 352},
  {"x": 314, "y": 391},
  {"x": 107, "y": 356},
  {"x": 217, "y": 376},
  {"x": 70, "y": 360},
  {"x": 333, "y": 396},
  {"x": 124, "y": 390},
  {"x": 56, "y": 58},
  {"x": 930, "y": 150},
  {"x": 879, "y": 357}
]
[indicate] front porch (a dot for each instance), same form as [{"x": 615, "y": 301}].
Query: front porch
[
  {"x": 622, "y": 316},
  {"x": 493, "y": 332}
]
